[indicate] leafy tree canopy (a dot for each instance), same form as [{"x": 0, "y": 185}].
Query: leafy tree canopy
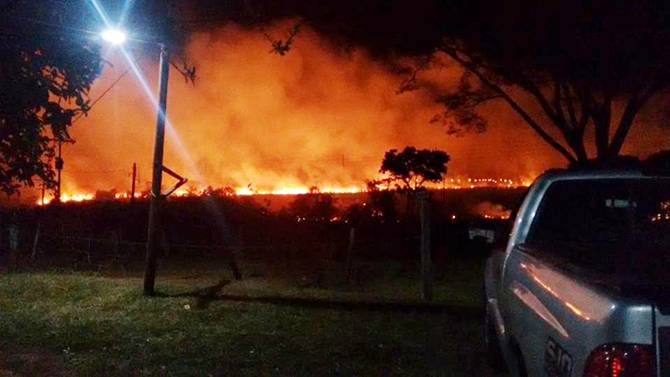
[
  {"x": 46, "y": 70},
  {"x": 50, "y": 57},
  {"x": 412, "y": 168}
]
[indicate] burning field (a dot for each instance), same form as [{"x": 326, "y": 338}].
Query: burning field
[{"x": 261, "y": 123}]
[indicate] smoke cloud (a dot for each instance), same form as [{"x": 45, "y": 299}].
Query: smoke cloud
[{"x": 319, "y": 116}]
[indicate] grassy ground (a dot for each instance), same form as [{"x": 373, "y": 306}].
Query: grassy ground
[
  {"x": 83, "y": 324},
  {"x": 457, "y": 281}
]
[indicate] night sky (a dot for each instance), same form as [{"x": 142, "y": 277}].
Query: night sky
[{"x": 325, "y": 113}]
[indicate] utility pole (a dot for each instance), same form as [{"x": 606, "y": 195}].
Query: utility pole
[
  {"x": 44, "y": 187},
  {"x": 132, "y": 186},
  {"x": 156, "y": 198},
  {"x": 59, "y": 167}
]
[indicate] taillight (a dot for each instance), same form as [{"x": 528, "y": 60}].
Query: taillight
[{"x": 620, "y": 360}]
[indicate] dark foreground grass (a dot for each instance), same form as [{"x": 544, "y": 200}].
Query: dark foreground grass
[
  {"x": 77, "y": 324},
  {"x": 457, "y": 281}
]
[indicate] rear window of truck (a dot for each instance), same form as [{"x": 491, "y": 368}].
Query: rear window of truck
[{"x": 607, "y": 225}]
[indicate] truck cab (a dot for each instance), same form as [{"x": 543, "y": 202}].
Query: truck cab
[{"x": 582, "y": 286}]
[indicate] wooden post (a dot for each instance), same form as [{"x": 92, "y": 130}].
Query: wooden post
[
  {"x": 132, "y": 186},
  {"x": 426, "y": 268},
  {"x": 36, "y": 241},
  {"x": 115, "y": 244},
  {"x": 352, "y": 238},
  {"x": 13, "y": 245},
  {"x": 89, "y": 249},
  {"x": 156, "y": 197},
  {"x": 234, "y": 254},
  {"x": 237, "y": 274}
]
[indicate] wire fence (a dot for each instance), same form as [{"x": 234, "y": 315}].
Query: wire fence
[
  {"x": 111, "y": 234},
  {"x": 41, "y": 247}
]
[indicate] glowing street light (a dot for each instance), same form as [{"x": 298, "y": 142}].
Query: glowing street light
[{"x": 114, "y": 36}]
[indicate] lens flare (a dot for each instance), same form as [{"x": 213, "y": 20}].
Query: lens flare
[{"x": 114, "y": 36}]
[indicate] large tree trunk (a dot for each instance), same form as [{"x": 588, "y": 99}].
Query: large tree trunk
[{"x": 632, "y": 108}]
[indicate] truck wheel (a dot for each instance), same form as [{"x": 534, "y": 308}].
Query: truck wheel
[
  {"x": 519, "y": 363},
  {"x": 493, "y": 352}
]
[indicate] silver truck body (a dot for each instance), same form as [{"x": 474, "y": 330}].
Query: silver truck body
[{"x": 547, "y": 316}]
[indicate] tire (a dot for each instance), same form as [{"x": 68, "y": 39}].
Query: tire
[
  {"x": 520, "y": 364},
  {"x": 494, "y": 354}
]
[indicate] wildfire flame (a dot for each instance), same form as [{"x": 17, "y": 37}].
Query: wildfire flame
[
  {"x": 78, "y": 197},
  {"x": 321, "y": 115},
  {"x": 488, "y": 210},
  {"x": 450, "y": 184}
]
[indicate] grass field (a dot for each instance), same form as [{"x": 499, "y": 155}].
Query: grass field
[{"x": 71, "y": 323}]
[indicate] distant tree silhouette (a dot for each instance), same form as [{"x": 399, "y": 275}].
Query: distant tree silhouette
[
  {"x": 211, "y": 191},
  {"x": 229, "y": 191},
  {"x": 314, "y": 206},
  {"x": 660, "y": 160},
  {"x": 567, "y": 68},
  {"x": 616, "y": 162},
  {"x": 408, "y": 171},
  {"x": 412, "y": 168},
  {"x": 381, "y": 202},
  {"x": 101, "y": 195}
]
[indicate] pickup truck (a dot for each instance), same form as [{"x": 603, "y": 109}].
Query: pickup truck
[{"x": 582, "y": 285}]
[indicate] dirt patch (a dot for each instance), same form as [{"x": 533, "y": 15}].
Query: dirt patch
[{"x": 29, "y": 361}]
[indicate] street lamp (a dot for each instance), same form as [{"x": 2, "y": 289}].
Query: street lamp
[{"x": 118, "y": 37}]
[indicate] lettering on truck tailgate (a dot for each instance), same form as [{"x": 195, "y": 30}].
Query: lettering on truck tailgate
[{"x": 557, "y": 361}]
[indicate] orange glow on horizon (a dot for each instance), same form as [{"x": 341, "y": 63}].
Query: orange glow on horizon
[
  {"x": 319, "y": 116},
  {"x": 450, "y": 184},
  {"x": 65, "y": 198}
]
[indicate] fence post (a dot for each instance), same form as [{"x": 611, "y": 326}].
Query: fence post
[
  {"x": 89, "y": 249},
  {"x": 36, "y": 241},
  {"x": 426, "y": 268},
  {"x": 352, "y": 238},
  {"x": 13, "y": 244},
  {"x": 115, "y": 244},
  {"x": 232, "y": 261}
]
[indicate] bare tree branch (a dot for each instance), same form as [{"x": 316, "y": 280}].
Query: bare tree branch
[
  {"x": 557, "y": 102},
  {"x": 282, "y": 46},
  {"x": 568, "y": 99},
  {"x": 586, "y": 100},
  {"x": 572, "y": 134},
  {"x": 573, "y": 140},
  {"x": 513, "y": 104},
  {"x": 602, "y": 118},
  {"x": 411, "y": 83},
  {"x": 187, "y": 72}
]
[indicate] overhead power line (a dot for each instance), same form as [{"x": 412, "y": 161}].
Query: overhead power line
[
  {"x": 104, "y": 93},
  {"x": 97, "y": 171}
]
